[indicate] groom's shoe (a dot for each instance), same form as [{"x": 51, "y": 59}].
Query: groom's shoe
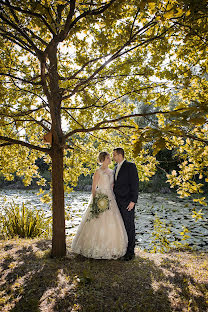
[
  {"x": 127, "y": 257},
  {"x": 130, "y": 257}
]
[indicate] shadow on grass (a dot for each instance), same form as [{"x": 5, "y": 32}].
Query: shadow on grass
[
  {"x": 104, "y": 285},
  {"x": 43, "y": 244},
  {"x": 38, "y": 283},
  {"x": 8, "y": 247},
  {"x": 197, "y": 300},
  {"x": 27, "y": 281}
]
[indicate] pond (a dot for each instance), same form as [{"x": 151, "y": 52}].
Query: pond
[{"x": 170, "y": 209}]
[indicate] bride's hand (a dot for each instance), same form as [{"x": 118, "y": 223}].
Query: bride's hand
[
  {"x": 95, "y": 182},
  {"x": 130, "y": 206}
]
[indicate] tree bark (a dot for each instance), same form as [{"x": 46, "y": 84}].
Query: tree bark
[
  {"x": 58, "y": 141},
  {"x": 59, "y": 238}
]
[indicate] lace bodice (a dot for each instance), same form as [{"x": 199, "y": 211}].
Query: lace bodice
[{"x": 105, "y": 182}]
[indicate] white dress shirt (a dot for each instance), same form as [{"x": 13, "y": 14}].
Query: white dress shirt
[{"x": 118, "y": 168}]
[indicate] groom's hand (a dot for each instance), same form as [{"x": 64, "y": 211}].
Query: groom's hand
[{"x": 130, "y": 206}]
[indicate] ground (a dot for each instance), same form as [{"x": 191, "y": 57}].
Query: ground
[{"x": 32, "y": 281}]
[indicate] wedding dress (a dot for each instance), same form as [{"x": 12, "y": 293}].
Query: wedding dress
[{"x": 103, "y": 237}]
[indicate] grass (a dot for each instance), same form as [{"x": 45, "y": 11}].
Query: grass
[{"x": 31, "y": 281}]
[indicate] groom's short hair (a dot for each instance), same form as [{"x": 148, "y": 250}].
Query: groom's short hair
[{"x": 119, "y": 150}]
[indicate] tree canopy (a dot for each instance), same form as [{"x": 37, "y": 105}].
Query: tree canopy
[{"x": 77, "y": 69}]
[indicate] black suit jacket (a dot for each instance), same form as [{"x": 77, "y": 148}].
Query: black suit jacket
[{"x": 126, "y": 187}]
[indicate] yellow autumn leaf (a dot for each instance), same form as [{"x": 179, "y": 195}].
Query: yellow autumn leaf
[{"x": 152, "y": 5}]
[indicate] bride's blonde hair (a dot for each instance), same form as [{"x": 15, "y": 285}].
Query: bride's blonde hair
[{"x": 101, "y": 157}]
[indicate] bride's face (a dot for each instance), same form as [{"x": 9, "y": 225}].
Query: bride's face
[{"x": 107, "y": 160}]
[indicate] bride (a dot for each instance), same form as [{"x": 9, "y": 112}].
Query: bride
[{"x": 101, "y": 233}]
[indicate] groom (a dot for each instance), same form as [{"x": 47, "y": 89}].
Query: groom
[{"x": 126, "y": 185}]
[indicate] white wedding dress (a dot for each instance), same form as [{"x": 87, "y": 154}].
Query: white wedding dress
[{"x": 103, "y": 237}]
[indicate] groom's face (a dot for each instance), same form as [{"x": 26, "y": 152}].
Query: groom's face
[{"x": 115, "y": 157}]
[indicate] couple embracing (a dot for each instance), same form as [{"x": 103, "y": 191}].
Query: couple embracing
[{"x": 107, "y": 229}]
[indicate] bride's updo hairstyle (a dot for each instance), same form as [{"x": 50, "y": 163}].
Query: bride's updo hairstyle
[{"x": 101, "y": 157}]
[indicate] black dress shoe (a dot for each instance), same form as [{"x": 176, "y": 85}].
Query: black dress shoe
[
  {"x": 123, "y": 258},
  {"x": 130, "y": 257},
  {"x": 127, "y": 257}
]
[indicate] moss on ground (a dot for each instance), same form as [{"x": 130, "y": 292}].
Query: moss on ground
[{"x": 31, "y": 281}]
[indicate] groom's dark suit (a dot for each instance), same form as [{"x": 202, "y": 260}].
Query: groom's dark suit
[{"x": 126, "y": 189}]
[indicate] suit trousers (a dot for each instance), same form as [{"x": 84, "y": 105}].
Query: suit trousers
[{"x": 128, "y": 219}]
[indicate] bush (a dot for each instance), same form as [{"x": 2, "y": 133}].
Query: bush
[{"x": 24, "y": 222}]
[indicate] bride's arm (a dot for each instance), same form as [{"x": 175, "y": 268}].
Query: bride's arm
[
  {"x": 95, "y": 182},
  {"x": 112, "y": 184}
]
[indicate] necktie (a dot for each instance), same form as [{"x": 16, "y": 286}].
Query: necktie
[{"x": 117, "y": 170}]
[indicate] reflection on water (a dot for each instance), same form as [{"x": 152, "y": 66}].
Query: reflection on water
[{"x": 172, "y": 210}]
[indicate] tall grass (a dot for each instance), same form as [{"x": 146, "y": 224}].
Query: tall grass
[{"x": 24, "y": 222}]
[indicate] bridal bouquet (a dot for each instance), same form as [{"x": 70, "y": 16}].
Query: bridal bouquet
[{"x": 99, "y": 204}]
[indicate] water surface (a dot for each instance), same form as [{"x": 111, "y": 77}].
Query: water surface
[{"x": 169, "y": 208}]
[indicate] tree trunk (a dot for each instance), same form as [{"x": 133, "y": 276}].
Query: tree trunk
[
  {"x": 57, "y": 139},
  {"x": 59, "y": 238}
]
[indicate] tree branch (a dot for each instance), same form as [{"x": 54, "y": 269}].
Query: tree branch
[
  {"x": 186, "y": 135},
  {"x": 63, "y": 34},
  {"x": 104, "y": 105},
  {"x": 98, "y": 125},
  {"x": 13, "y": 13},
  {"x": 82, "y": 68},
  {"x": 31, "y": 146},
  {"x": 140, "y": 115},
  {"x": 33, "y": 93},
  {"x": 25, "y": 113},
  {"x": 5, "y": 144},
  {"x": 14, "y": 8},
  {"x": 43, "y": 79},
  {"x": 37, "y": 37},
  {"x": 96, "y": 129},
  {"x": 118, "y": 54},
  {"x": 33, "y": 120},
  {"x": 16, "y": 40},
  {"x": 191, "y": 29},
  {"x": 132, "y": 27},
  {"x": 74, "y": 119},
  {"x": 21, "y": 79},
  {"x": 24, "y": 34},
  {"x": 39, "y": 122},
  {"x": 145, "y": 42},
  {"x": 68, "y": 26},
  {"x": 101, "y": 9}
]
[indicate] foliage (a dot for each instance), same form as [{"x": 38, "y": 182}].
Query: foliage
[
  {"x": 160, "y": 236},
  {"x": 163, "y": 240},
  {"x": 197, "y": 215},
  {"x": 90, "y": 90},
  {"x": 75, "y": 69},
  {"x": 184, "y": 83},
  {"x": 21, "y": 221}
]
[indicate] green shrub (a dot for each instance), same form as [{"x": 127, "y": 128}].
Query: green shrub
[{"x": 24, "y": 222}]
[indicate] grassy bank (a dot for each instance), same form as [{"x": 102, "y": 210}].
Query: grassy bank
[{"x": 31, "y": 281}]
